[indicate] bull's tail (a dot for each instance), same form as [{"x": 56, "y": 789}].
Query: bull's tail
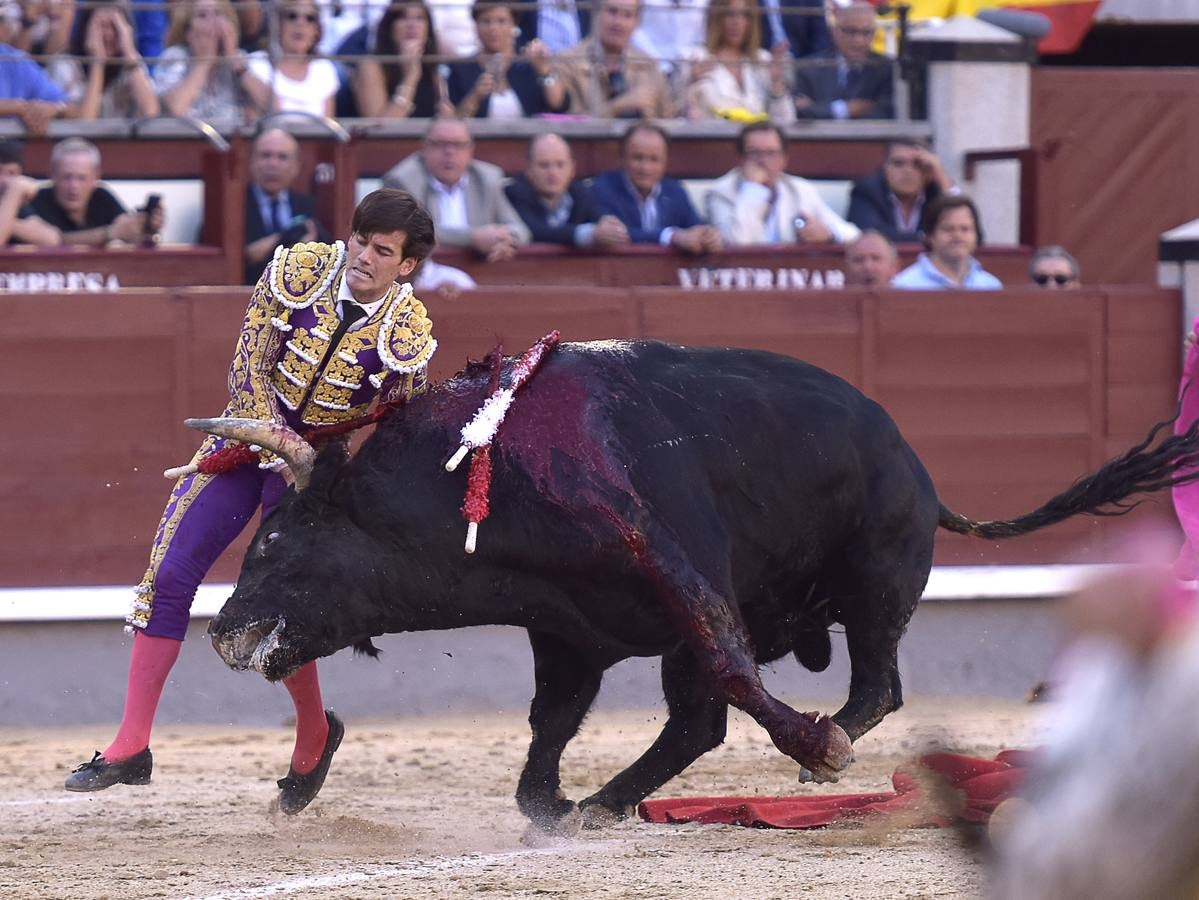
[{"x": 1140, "y": 470}]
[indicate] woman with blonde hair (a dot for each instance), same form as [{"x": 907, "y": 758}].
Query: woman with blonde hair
[
  {"x": 290, "y": 77},
  {"x": 731, "y": 76},
  {"x": 200, "y": 71}
]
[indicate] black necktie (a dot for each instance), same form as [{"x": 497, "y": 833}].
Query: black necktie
[{"x": 351, "y": 312}]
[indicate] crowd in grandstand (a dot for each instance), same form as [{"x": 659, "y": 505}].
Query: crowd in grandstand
[{"x": 762, "y": 63}]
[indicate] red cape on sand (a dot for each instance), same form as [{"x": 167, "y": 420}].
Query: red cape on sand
[{"x": 982, "y": 783}]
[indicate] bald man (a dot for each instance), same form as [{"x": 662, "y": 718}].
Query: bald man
[
  {"x": 870, "y": 261},
  {"x": 558, "y": 209},
  {"x": 275, "y": 214}
]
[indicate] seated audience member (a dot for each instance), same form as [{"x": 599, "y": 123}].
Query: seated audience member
[
  {"x": 951, "y": 235},
  {"x": 759, "y": 203},
  {"x": 291, "y": 78},
  {"x": 402, "y": 81},
  {"x": 497, "y": 84},
  {"x": 731, "y": 72},
  {"x": 42, "y": 27},
  {"x": 83, "y": 210},
  {"x": 1055, "y": 268},
  {"x": 654, "y": 208},
  {"x": 27, "y": 92},
  {"x": 19, "y": 224},
  {"x": 558, "y": 209},
  {"x": 608, "y": 78},
  {"x": 201, "y": 70},
  {"x": 670, "y": 31},
  {"x": 105, "y": 76},
  {"x": 849, "y": 82},
  {"x": 892, "y": 200},
  {"x": 870, "y": 261},
  {"x": 464, "y": 196},
  {"x": 559, "y": 24},
  {"x": 275, "y": 214},
  {"x": 799, "y": 27}
]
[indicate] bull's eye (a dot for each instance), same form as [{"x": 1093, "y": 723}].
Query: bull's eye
[{"x": 267, "y": 540}]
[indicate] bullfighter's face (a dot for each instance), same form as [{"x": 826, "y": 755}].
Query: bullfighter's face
[{"x": 303, "y": 591}]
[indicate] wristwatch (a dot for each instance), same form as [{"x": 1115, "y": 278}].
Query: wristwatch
[{"x": 550, "y": 79}]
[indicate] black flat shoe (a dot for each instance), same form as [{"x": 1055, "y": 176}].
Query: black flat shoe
[
  {"x": 296, "y": 790},
  {"x": 100, "y": 773}
]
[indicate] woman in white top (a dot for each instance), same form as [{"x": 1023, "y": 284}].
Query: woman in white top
[
  {"x": 732, "y": 76},
  {"x": 290, "y": 78},
  {"x": 200, "y": 71}
]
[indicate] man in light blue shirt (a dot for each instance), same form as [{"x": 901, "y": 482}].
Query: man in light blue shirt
[
  {"x": 26, "y": 92},
  {"x": 951, "y": 235}
]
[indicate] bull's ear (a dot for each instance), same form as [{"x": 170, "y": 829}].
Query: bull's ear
[{"x": 330, "y": 459}]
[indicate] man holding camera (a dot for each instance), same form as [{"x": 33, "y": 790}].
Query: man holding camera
[
  {"x": 275, "y": 214},
  {"x": 892, "y": 200}
]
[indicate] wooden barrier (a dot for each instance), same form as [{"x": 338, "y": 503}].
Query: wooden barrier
[
  {"x": 169, "y": 266},
  {"x": 1007, "y": 397}
]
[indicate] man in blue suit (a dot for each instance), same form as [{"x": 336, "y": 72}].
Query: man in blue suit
[
  {"x": 654, "y": 209},
  {"x": 848, "y": 81}
]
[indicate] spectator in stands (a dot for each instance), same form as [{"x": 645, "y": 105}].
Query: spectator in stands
[
  {"x": 558, "y": 209},
  {"x": 26, "y": 92},
  {"x": 43, "y": 27},
  {"x": 892, "y": 200},
  {"x": 801, "y": 30},
  {"x": 559, "y": 24},
  {"x": 670, "y": 30},
  {"x": 465, "y": 196},
  {"x": 654, "y": 208},
  {"x": 403, "y": 81},
  {"x": 850, "y": 81},
  {"x": 731, "y": 74},
  {"x": 951, "y": 235},
  {"x": 19, "y": 224},
  {"x": 759, "y": 203},
  {"x": 105, "y": 75},
  {"x": 201, "y": 70},
  {"x": 1055, "y": 268},
  {"x": 497, "y": 84},
  {"x": 289, "y": 77},
  {"x": 276, "y": 215},
  {"x": 870, "y": 261},
  {"x": 608, "y": 78},
  {"x": 83, "y": 210}
]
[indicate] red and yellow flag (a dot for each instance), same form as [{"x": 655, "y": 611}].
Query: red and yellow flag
[{"x": 1068, "y": 19}]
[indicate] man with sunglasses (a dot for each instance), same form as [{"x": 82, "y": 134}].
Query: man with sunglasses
[
  {"x": 1053, "y": 267},
  {"x": 851, "y": 81},
  {"x": 892, "y": 200}
]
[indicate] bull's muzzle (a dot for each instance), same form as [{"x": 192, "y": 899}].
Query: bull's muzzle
[{"x": 248, "y": 646}]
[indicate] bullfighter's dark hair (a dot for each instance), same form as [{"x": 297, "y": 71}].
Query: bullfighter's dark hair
[
  {"x": 651, "y": 127},
  {"x": 390, "y": 209},
  {"x": 755, "y": 127},
  {"x": 940, "y": 206}
]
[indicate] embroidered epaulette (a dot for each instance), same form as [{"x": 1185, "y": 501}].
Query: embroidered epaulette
[
  {"x": 299, "y": 274},
  {"x": 406, "y": 341}
]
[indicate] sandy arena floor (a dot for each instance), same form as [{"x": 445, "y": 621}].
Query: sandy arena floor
[{"x": 422, "y": 808}]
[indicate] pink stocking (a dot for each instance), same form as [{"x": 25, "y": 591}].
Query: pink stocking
[
  {"x": 149, "y": 664},
  {"x": 312, "y": 728}
]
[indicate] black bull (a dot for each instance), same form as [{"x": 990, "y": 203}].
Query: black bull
[{"x": 719, "y": 508}]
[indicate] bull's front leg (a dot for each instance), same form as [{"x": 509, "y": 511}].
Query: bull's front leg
[
  {"x": 565, "y": 689},
  {"x": 708, "y": 621}
]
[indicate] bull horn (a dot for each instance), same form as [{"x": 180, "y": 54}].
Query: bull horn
[{"x": 279, "y": 439}]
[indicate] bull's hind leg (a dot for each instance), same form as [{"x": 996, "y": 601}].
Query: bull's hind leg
[
  {"x": 875, "y": 603},
  {"x": 565, "y": 689},
  {"x": 697, "y": 723},
  {"x": 712, "y": 628}
]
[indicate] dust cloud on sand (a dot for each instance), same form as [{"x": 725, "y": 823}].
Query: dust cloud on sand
[{"x": 423, "y": 808}]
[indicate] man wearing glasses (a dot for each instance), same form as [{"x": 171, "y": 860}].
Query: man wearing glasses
[
  {"x": 850, "y": 82},
  {"x": 892, "y": 200},
  {"x": 465, "y": 196},
  {"x": 1054, "y": 268}
]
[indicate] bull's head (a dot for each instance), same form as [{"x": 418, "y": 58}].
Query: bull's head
[{"x": 307, "y": 579}]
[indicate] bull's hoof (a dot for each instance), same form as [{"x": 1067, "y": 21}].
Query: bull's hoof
[
  {"x": 549, "y": 832},
  {"x": 835, "y": 753},
  {"x": 806, "y": 776},
  {"x": 597, "y": 816}
]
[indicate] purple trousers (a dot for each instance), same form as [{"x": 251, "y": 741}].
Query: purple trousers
[{"x": 204, "y": 515}]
